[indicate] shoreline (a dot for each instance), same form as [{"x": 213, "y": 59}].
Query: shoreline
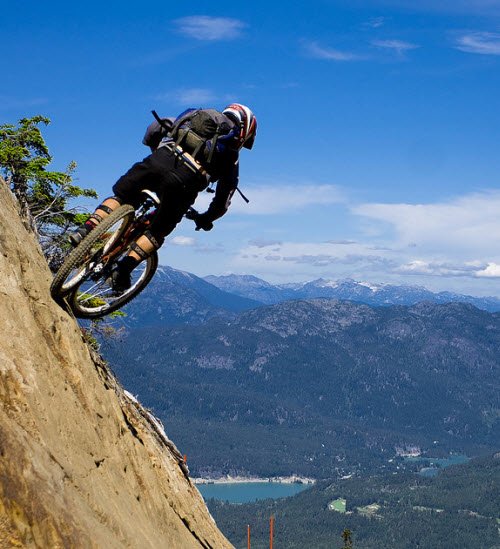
[{"x": 240, "y": 480}]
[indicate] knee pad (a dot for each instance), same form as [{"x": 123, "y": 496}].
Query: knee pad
[
  {"x": 104, "y": 208},
  {"x": 107, "y": 209},
  {"x": 139, "y": 251},
  {"x": 156, "y": 240}
]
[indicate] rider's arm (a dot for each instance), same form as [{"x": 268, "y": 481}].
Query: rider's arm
[{"x": 226, "y": 186}]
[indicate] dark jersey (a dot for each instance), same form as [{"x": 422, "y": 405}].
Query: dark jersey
[
  {"x": 227, "y": 178},
  {"x": 224, "y": 170}
]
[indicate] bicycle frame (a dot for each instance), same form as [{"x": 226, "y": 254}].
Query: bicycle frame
[{"x": 139, "y": 225}]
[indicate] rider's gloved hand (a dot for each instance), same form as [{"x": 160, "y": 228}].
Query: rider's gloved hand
[{"x": 202, "y": 221}]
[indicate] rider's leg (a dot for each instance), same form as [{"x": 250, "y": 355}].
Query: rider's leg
[
  {"x": 102, "y": 211},
  {"x": 146, "y": 174},
  {"x": 170, "y": 212},
  {"x": 141, "y": 249},
  {"x": 177, "y": 187},
  {"x": 108, "y": 206}
]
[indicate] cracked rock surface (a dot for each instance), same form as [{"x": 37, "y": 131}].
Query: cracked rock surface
[{"x": 82, "y": 464}]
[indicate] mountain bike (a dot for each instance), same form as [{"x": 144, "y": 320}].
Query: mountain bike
[{"x": 84, "y": 279}]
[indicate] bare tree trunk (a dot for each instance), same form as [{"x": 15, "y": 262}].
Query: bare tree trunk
[{"x": 19, "y": 189}]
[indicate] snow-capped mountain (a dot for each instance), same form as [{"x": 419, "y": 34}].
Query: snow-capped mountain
[{"x": 364, "y": 292}]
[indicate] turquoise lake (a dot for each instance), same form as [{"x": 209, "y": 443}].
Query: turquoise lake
[
  {"x": 436, "y": 464},
  {"x": 244, "y": 492}
]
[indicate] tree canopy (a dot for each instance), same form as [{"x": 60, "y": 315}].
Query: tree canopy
[{"x": 44, "y": 195}]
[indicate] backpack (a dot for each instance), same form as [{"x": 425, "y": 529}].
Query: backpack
[
  {"x": 156, "y": 131},
  {"x": 202, "y": 132}
]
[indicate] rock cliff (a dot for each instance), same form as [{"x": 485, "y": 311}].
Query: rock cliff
[{"x": 82, "y": 464}]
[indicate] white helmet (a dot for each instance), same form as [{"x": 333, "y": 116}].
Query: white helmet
[{"x": 247, "y": 122}]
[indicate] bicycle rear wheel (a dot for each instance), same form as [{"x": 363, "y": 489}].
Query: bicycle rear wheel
[
  {"x": 90, "y": 254},
  {"x": 95, "y": 298}
]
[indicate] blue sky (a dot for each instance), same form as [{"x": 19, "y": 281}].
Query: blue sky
[{"x": 379, "y": 124}]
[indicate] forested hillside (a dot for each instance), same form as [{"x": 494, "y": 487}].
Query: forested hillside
[
  {"x": 320, "y": 386},
  {"x": 460, "y": 508}
]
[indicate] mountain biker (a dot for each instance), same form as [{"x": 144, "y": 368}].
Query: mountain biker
[{"x": 182, "y": 164}]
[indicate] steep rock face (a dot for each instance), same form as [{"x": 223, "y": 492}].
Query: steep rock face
[{"x": 82, "y": 464}]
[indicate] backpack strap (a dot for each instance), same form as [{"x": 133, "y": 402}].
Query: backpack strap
[
  {"x": 181, "y": 119},
  {"x": 213, "y": 144},
  {"x": 200, "y": 145},
  {"x": 189, "y": 134}
]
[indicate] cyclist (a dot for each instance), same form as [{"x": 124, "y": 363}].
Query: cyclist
[{"x": 200, "y": 146}]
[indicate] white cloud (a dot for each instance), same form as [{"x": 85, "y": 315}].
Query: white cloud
[
  {"x": 204, "y": 27},
  {"x": 485, "y": 43},
  {"x": 416, "y": 267},
  {"x": 273, "y": 199},
  {"x": 399, "y": 46},
  {"x": 336, "y": 260},
  {"x": 345, "y": 242},
  {"x": 189, "y": 96},
  {"x": 455, "y": 240},
  {"x": 337, "y": 257},
  {"x": 469, "y": 225},
  {"x": 182, "y": 241},
  {"x": 264, "y": 243},
  {"x": 437, "y": 268},
  {"x": 492, "y": 270},
  {"x": 330, "y": 54},
  {"x": 276, "y": 199},
  {"x": 451, "y": 245},
  {"x": 376, "y": 22}
]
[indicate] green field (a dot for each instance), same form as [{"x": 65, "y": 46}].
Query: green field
[{"x": 338, "y": 505}]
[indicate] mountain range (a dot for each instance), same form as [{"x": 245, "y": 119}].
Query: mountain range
[
  {"x": 319, "y": 386},
  {"x": 363, "y": 292},
  {"x": 178, "y": 297}
]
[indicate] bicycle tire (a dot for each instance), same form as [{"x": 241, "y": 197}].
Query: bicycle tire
[
  {"x": 102, "y": 310},
  {"x": 78, "y": 255}
]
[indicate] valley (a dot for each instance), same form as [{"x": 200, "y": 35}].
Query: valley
[{"x": 318, "y": 387}]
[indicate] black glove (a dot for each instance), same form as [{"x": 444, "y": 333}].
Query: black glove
[{"x": 202, "y": 221}]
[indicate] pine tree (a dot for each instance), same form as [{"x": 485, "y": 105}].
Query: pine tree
[
  {"x": 43, "y": 195},
  {"x": 347, "y": 537}
]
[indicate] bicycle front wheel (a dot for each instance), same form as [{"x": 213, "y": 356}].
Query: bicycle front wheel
[
  {"x": 91, "y": 253},
  {"x": 95, "y": 298}
]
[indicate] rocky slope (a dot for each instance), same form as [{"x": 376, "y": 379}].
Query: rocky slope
[{"x": 82, "y": 464}]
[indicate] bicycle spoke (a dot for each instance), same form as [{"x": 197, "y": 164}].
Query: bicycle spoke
[
  {"x": 94, "y": 295},
  {"x": 96, "y": 298},
  {"x": 83, "y": 279},
  {"x": 82, "y": 266},
  {"x": 100, "y": 282}
]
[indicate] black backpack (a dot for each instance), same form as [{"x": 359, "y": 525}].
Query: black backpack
[
  {"x": 157, "y": 130},
  {"x": 197, "y": 130},
  {"x": 202, "y": 132}
]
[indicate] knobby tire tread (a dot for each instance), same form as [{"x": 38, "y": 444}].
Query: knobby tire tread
[
  {"x": 78, "y": 254},
  {"x": 121, "y": 302}
]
